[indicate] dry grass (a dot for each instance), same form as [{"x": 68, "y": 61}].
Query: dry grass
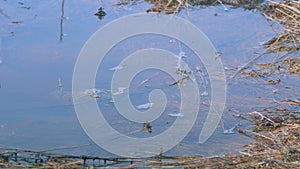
[
  {"x": 277, "y": 146},
  {"x": 287, "y": 15}
]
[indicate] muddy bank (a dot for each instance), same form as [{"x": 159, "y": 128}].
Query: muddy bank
[{"x": 277, "y": 145}]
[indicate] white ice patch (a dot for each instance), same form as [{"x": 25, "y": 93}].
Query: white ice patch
[
  {"x": 145, "y": 106},
  {"x": 175, "y": 115}
]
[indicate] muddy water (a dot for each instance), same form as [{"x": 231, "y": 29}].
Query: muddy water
[{"x": 39, "y": 47}]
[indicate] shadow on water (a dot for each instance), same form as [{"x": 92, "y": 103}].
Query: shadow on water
[{"x": 36, "y": 74}]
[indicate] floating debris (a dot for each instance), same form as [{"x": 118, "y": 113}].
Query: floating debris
[
  {"x": 198, "y": 69},
  {"x": 120, "y": 91},
  {"x": 182, "y": 54},
  {"x": 60, "y": 86},
  {"x": 178, "y": 82},
  {"x": 100, "y": 13},
  {"x": 94, "y": 93},
  {"x": 185, "y": 75},
  {"x": 179, "y": 66},
  {"x": 65, "y": 17},
  {"x": 117, "y": 68},
  {"x": 145, "y": 106},
  {"x": 147, "y": 127},
  {"x": 183, "y": 72},
  {"x": 26, "y": 7},
  {"x": 205, "y": 93},
  {"x": 175, "y": 115},
  {"x": 143, "y": 82},
  {"x": 229, "y": 68},
  {"x": 231, "y": 130},
  {"x": 17, "y": 22},
  {"x": 172, "y": 40},
  {"x": 217, "y": 55}
]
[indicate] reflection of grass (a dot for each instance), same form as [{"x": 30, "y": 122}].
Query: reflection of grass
[{"x": 3, "y": 13}]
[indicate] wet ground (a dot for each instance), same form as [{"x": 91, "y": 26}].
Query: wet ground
[{"x": 40, "y": 45}]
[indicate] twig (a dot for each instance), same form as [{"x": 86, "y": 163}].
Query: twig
[
  {"x": 262, "y": 116},
  {"x": 226, "y": 9},
  {"x": 247, "y": 65},
  {"x": 246, "y": 133}
]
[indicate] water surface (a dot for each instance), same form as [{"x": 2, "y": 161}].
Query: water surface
[{"x": 39, "y": 46}]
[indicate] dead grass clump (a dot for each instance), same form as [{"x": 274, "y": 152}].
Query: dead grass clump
[
  {"x": 175, "y": 6},
  {"x": 264, "y": 70},
  {"x": 278, "y": 138},
  {"x": 277, "y": 145},
  {"x": 287, "y": 15}
]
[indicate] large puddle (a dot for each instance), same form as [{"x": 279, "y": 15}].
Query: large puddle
[{"x": 39, "y": 49}]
